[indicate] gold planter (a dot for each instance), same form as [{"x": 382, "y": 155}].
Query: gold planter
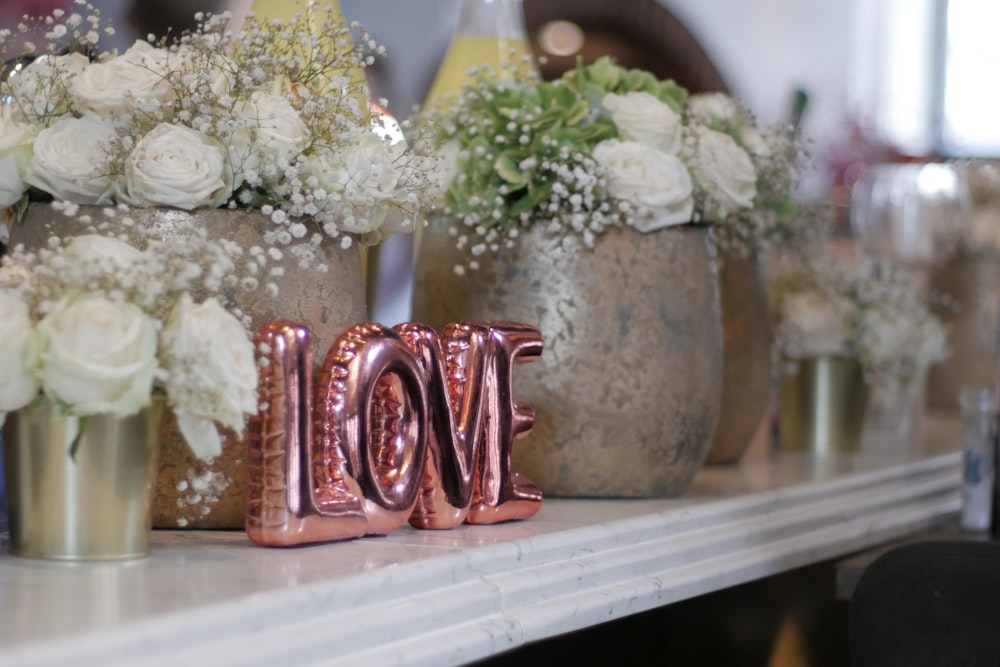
[
  {"x": 626, "y": 393},
  {"x": 196, "y": 494},
  {"x": 822, "y": 405},
  {"x": 95, "y": 505}
]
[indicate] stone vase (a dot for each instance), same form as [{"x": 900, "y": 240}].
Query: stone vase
[
  {"x": 746, "y": 358},
  {"x": 627, "y": 391},
  {"x": 192, "y": 493}
]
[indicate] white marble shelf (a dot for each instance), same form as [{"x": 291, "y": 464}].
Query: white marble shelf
[{"x": 438, "y": 598}]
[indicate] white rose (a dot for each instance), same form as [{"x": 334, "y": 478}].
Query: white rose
[
  {"x": 72, "y": 160},
  {"x": 819, "y": 324},
  {"x": 642, "y": 117},
  {"x": 42, "y": 87},
  {"x": 712, "y": 108},
  {"x": 18, "y": 386},
  {"x": 244, "y": 160},
  {"x": 725, "y": 172},
  {"x": 281, "y": 132},
  {"x": 756, "y": 143},
  {"x": 648, "y": 178},
  {"x": 134, "y": 81},
  {"x": 97, "y": 356},
  {"x": 208, "y": 72},
  {"x": 16, "y": 141},
  {"x": 212, "y": 373},
  {"x": 368, "y": 171},
  {"x": 365, "y": 177},
  {"x": 175, "y": 166}
]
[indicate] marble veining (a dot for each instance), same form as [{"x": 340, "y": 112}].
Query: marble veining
[{"x": 419, "y": 597}]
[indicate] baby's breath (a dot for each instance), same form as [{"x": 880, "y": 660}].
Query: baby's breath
[
  {"x": 170, "y": 265},
  {"x": 240, "y": 93},
  {"x": 527, "y": 152},
  {"x": 874, "y": 312}
]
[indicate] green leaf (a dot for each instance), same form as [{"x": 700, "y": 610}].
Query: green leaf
[
  {"x": 577, "y": 113},
  {"x": 22, "y": 206},
  {"x": 75, "y": 445},
  {"x": 532, "y": 198},
  {"x": 638, "y": 80},
  {"x": 507, "y": 168},
  {"x": 671, "y": 94},
  {"x": 602, "y": 128}
]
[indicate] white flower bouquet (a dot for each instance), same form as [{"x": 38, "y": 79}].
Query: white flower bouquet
[
  {"x": 102, "y": 321},
  {"x": 603, "y": 146},
  {"x": 274, "y": 117},
  {"x": 873, "y": 312}
]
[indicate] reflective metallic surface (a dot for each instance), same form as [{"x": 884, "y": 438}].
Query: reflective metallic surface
[
  {"x": 454, "y": 368},
  {"x": 372, "y": 406},
  {"x": 291, "y": 482},
  {"x": 398, "y": 426},
  {"x": 823, "y": 405},
  {"x": 627, "y": 394},
  {"x": 93, "y": 506}
]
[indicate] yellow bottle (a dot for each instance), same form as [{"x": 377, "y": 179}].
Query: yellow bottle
[
  {"x": 285, "y": 10},
  {"x": 491, "y": 33}
]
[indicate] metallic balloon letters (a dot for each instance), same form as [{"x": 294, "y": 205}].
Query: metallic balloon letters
[{"x": 399, "y": 425}]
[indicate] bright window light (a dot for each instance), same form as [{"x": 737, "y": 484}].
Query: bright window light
[{"x": 971, "y": 119}]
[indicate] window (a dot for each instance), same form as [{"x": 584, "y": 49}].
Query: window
[
  {"x": 970, "y": 120},
  {"x": 922, "y": 74}
]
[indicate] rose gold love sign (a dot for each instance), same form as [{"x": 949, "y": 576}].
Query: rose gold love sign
[{"x": 399, "y": 425}]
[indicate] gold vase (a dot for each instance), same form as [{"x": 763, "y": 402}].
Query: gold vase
[
  {"x": 822, "y": 403},
  {"x": 192, "y": 493},
  {"x": 93, "y": 505}
]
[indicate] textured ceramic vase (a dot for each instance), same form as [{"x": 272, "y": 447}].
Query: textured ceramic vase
[
  {"x": 93, "y": 505},
  {"x": 626, "y": 394},
  {"x": 971, "y": 286},
  {"x": 196, "y": 494},
  {"x": 746, "y": 358}
]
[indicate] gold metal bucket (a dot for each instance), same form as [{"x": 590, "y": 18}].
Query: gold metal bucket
[
  {"x": 93, "y": 506},
  {"x": 822, "y": 405}
]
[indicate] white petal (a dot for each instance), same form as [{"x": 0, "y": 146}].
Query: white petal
[{"x": 200, "y": 434}]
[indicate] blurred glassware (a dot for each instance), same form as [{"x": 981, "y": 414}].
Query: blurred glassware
[
  {"x": 979, "y": 417},
  {"x": 910, "y": 213}
]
